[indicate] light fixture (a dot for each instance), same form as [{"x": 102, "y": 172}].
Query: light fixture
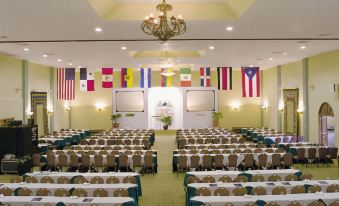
[
  {"x": 251, "y": 65},
  {"x": 29, "y": 113},
  {"x": 264, "y": 107},
  {"x": 99, "y": 106},
  {"x": 211, "y": 47},
  {"x": 271, "y": 59},
  {"x": 161, "y": 28},
  {"x": 302, "y": 47},
  {"x": 79, "y": 66},
  {"x": 300, "y": 110},
  {"x": 98, "y": 29},
  {"x": 284, "y": 53},
  {"x": 26, "y": 49},
  {"x": 235, "y": 106},
  {"x": 167, "y": 72},
  {"x": 45, "y": 55},
  {"x": 67, "y": 107},
  {"x": 229, "y": 28},
  {"x": 49, "y": 110},
  {"x": 70, "y": 64},
  {"x": 59, "y": 60},
  {"x": 123, "y": 48}
]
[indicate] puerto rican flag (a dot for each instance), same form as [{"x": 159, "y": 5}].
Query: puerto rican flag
[
  {"x": 250, "y": 81},
  {"x": 205, "y": 77}
]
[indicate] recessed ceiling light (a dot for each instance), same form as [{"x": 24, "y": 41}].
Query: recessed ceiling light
[
  {"x": 70, "y": 64},
  {"x": 98, "y": 29},
  {"x": 284, "y": 53},
  {"x": 59, "y": 60},
  {"x": 26, "y": 49},
  {"x": 302, "y": 47},
  {"x": 45, "y": 55},
  {"x": 79, "y": 66},
  {"x": 251, "y": 65},
  {"x": 211, "y": 47},
  {"x": 123, "y": 48},
  {"x": 271, "y": 59},
  {"x": 229, "y": 28}
]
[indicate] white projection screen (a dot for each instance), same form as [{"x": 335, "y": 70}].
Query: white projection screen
[
  {"x": 130, "y": 101},
  {"x": 200, "y": 100}
]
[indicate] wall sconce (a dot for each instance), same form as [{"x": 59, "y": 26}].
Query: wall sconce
[
  {"x": 281, "y": 109},
  {"x": 264, "y": 107},
  {"x": 99, "y": 106},
  {"x": 235, "y": 106},
  {"x": 300, "y": 111},
  {"x": 68, "y": 108},
  {"x": 29, "y": 114},
  {"x": 49, "y": 110}
]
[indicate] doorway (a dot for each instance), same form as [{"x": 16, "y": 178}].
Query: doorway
[{"x": 326, "y": 125}]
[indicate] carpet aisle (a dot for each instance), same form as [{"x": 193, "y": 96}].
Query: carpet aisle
[{"x": 164, "y": 188}]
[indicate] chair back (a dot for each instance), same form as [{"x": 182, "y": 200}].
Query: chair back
[
  {"x": 306, "y": 176},
  {"x": 240, "y": 178},
  {"x": 258, "y": 178},
  {"x": 207, "y": 161},
  {"x": 203, "y": 191},
  {"x": 129, "y": 179},
  {"x": 97, "y": 180},
  {"x": 232, "y": 160},
  {"x": 79, "y": 192},
  {"x": 79, "y": 180},
  {"x": 43, "y": 192},
  {"x": 100, "y": 192},
  {"x": 31, "y": 179},
  {"x": 299, "y": 189},
  {"x": 239, "y": 191},
  {"x": 279, "y": 190},
  {"x": 314, "y": 189},
  {"x": 112, "y": 180},
  {"x": 6, "y": 191},
  {"x": 221, "y": 191},
  {"x": 316, "y": 203},
  {"x": 24, "y": 192},
  {"x": 63, "y": 180},
  {"x": 274, "y": 178},
  {"x": 259, "y": 191},
  {"x": 193, "y": 179},
  {"x": 85, "y": 160},
  {"x": 123, "y": 160},
  {"x": 333, "y": 188},
  {"x": 120, "y": 193},
  {"x": 291, "y": 177},
  {"x": 46, "y": 179},
  {"x": 208, "y": 179}
]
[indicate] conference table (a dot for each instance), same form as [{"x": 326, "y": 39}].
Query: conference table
[
  {"x": 269, "y": 186},
  {"x": 88, "y": 176},
  {"x": 249, "y": 173},
  {"x": 225, "y": 146},
  {"x": 240, "y": 158},
  {"x": 66, "y": 201},
  {"x": 89, "y": 188},
  {"x": 261, "y": 200}
]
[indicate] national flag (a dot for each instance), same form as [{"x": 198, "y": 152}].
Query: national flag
[
  {"x": 250, "y": 81},
  {"x": 185, "y": 77},
  {"x": 166, "y": 81},
  {"x": 65, "y": 83},
  {"x": 224, "y": 78},
  {"x": 86, "y": 80},
  {"x": 107, "y": 77},
  {"x": 126, "y": 77},
  {"x": 145, "y": 78},
  {"x": 205, "y": 77}
]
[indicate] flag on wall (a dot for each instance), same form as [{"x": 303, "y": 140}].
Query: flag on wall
[
  {"x": 205, "y": 77},
  {"x": 86, "y": 80},
  {"x": 126, "y": 77},
  {"x": 65, "y": 83},
  {"x": 107, "y": 77},
  {"x": 166, "y": 81},
  {"x": 185, "y": 77},
  {"x": 224, "y": 78},
  {"x": 250, "y": 81},
  {"x": 145, "y": 78}
]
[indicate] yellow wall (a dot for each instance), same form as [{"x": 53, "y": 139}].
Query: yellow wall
[
  {"x": 323, "y": 73},
  {"x": 270, "y": 93}
]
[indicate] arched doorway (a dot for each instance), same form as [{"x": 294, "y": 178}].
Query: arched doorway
[{"x": 326, "y": 125}]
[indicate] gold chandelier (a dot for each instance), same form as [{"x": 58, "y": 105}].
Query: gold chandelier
[{"x": 160, "y": 28}]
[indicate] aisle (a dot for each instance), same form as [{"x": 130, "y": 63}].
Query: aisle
[{"x": 164, "y": 188}]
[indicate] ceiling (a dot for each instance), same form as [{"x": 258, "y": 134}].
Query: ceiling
[{"x": 261, "y": 35}]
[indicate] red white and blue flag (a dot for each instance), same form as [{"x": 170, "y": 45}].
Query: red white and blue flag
[
  {"x": 250, "y": 81},
  {"x": 205, "y": 77},
  {"x": 145, "y": 78},
  {"x": 86, "y": 80},
  {"x": 65, "y": 83}
]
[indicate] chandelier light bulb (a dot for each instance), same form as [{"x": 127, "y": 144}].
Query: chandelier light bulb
[
  {"x": 179, "y": 16},
  {"x": 151, "y": 15},
  {"x": 146, "y": 18},
  {"x": 162, "y": 13},
  {"x": 155, "y": 21}
]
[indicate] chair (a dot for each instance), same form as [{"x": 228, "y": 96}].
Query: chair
[
  {"x": 85, "y": 162},
  {"x": 299, "y": 189},
  {"x": 51, "y": 161},
  {"x": 46, "y": 179},
  {"x": 274, "y": 178},
  {"x": 258, "y": 191},
  {"x": 312, "y": 155},
  {"x": 123, "y": 162},
  {"x": 24, "y": 192},
  {"x": 120, "y": 193},
  {"x": 101, "y": 142},
  {"x": 239, "y": 191},
  {"x": 100, "y": 192},
  {"x": 31, "y": 179},
  {"x": 333, "y": 154},
  {"x": 221, "y": 191},
  {"x": 195, "y": 159},
  {"x": 241, "y": 178},
  {"x": 333, "y": 188},
  {"x": 74, "y": 164},
  {"x": 36, "y": 160},
  {"x": 251, "y": 204},
  {"x": 287, "y": 160},
  {"x": 79, "y": 192},
  {"x": 79, "y": 180},
  {"x": 322, "y": 155},
  {"x": 262, "y": 160},
  {"x": 279, "y": 190},
  {"x": 62, "y": 158},
  {"x": 61, "y": 192},
  {"x": 97, "y": 180},
  {"x": 110, "y": 162},
  {"x": 112, "y": 180},
  {"x": 98, "y": 162},
  {"x": 43, "y": 192},
  {"x": 129, "y": 179},
  {"x": 258, "y": 178},
  {"x": 15, "y": 179},
  {"x": 335, "y": 203},
  {"x": 6, "y": 191},
  {"x": 248, "y": 161},
  {"x": 233, "y": 161},
  {"x": 291, "y": 177},
  {"x": 63, "y": 180},
  {"x": 225, "y": 179},
  {"x": 314, "y": 189},
  {"x": 136, "y": 158},
  {"x": 208, "y": 179},
  {"x": 92, "y": 142},
  {"x": 233, "y": 140},
  {"x": 301, "y": 155},
  {"x": 203, "y": 191},
  {"x": 316, "y": 203},
  {"x": 276, "y": 160},
  {"x": 218, "y": 161},
  {"x": 148, "y": 163},
  {"x": 193, "y": 179},
  {"x": 272, "y": 204},
  {"x": 306, "y": 176}
]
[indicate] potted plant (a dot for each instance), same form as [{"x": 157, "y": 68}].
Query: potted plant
[
  {"x": 115, "y": 118},
  {"x": 216, "y": 116},
  {"x": 167, "y": 121}
]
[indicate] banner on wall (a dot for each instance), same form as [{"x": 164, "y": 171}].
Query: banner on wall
[
  {"x": 126, "y": 77},
  {"x": 205, "y": 77},
  {"x": 250, "y": 81},
  {"x": 224, "y": 78},
  {"x": 86, "y": 80},
  {"x": 145, "y": 78},
  {"x": 107, "y": 77},
  {"x": 185, "y": 77},
  {"x": 65, "y": 83}
]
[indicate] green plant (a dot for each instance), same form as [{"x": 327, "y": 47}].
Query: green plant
[
  {"x": 167, "y": 120},
  {"x": 115, "y": 117},
  {"x": 216, "y": 116}
]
